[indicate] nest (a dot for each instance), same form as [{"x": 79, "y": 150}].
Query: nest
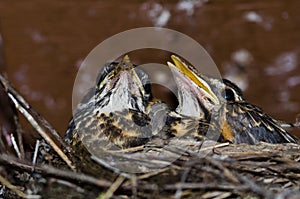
[{"x": 184, "y": 169}]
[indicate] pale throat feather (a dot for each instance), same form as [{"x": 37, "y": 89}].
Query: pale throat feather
[
  {"x": 188, "y": 104},
  {"x": 124, "y": 95}
]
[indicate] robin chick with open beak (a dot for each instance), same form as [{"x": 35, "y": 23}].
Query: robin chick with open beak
[
  {"x": 117, "y": 112},
  {"x": 221, "y": 103}
]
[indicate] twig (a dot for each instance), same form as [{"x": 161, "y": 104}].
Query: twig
[
  {"x": 113, "y": 188},
  {"x": 128, "y": 150},
  {"x": 50, "y": 128},
  {"x": 20, "y": 137},
  {"x": 154, "y": 173},
  {"x": 39, "y": 129},
  {"x": 256, "y": 188},
  {"x": 69, "y": 184},
  {"x": 49, "y": 170},
  {"x": 204, "y": 186},
  {"x": 14, "y": 143},
  {"x": 184, "y": 176},
  {"x": 134, "y": 183},
  {"x": 36, "y": 149},
  {"x": 225, "y": 171}
]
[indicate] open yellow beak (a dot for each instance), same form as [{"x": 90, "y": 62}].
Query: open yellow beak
[{"x": 183, "y": 68}]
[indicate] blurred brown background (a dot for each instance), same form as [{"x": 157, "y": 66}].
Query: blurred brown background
[{"x": 254, "y": 43}]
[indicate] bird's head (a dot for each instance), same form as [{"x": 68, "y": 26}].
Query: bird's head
[
  {"x": 122, "y": 86},
  {"x": 199, "y": 94}
]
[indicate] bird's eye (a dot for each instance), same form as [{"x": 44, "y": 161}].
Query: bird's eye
[{"x": 229, "y": 95}]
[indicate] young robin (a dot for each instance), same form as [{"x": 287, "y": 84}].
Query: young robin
[
  {"x": 118, "y": 113},
  {"x": 222, "y": 104}
]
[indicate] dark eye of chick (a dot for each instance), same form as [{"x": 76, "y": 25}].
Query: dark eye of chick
[{"x": 229, "y": 95}]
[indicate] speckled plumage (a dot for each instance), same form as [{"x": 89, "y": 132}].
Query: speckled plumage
[{"x": 114, "y": 114}]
